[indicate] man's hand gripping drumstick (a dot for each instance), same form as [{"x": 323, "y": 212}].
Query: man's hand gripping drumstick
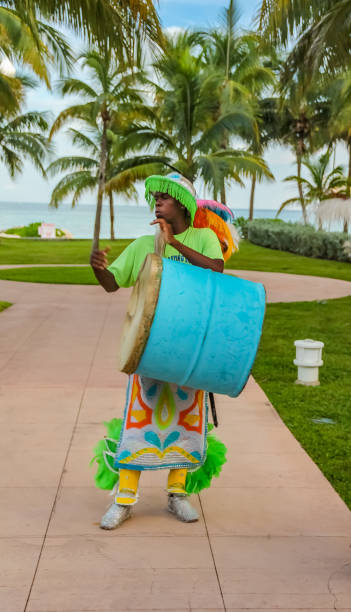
[
  {"x": 99, "y": 263},
  {"x": 98, "y": 259},
  {"x": 166, "y": 230}
]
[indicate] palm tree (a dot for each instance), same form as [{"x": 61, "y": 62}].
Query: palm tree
[
  {"x": 321, "y": 184},
  {"x": 187, "y": 123},
  {"x": 83, "y": 171},
  {"x": 322, "y": 30},
  {"x": 268, "y": 120},
  {"x": 304, "y": 115},
  {"x": 108, "y": 91},
  {"x": 245, "y": 64},
  {"x": 112, "y": 102}
]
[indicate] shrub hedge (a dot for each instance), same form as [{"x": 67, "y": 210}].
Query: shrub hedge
[
  {"x": 297, "y": 238},
  {"x": 31, "y": 231},
  {"x": 241, "y": 224}
]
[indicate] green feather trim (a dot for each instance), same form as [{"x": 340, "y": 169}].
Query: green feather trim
[
  {"x": 106, "y": 476},
  {"x": 215, "y": 459},
  {"x": 174, "y": 189}
]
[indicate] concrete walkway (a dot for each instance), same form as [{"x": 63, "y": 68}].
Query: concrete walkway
[
  {"x": 279, "y": 287},
  {"x": 273, "y": 533}
]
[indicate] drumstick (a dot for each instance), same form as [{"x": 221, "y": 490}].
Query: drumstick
[{"x": 213, "y": 409}]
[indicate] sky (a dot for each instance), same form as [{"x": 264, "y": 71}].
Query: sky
[{"x": 31, "y": 187}]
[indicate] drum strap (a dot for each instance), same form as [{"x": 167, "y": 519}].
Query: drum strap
[{"x": 213, "y": 409}]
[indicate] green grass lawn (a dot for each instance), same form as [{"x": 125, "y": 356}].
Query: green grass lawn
[
  {"x": 4, "y": 305},
  {"x": 250, "y": 257},
  {"x": 66, "y": 276},
  {"x": 329, "y": 444},
  {"x": 17, "y": 251}
]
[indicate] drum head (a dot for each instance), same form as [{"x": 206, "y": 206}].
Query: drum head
[{"x": 140, "y": 313}]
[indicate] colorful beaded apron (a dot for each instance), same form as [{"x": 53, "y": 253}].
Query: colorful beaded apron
[{"x": 165, "y": 426}]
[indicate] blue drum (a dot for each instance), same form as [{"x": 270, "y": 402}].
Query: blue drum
[{"x": 193, "y": 327}]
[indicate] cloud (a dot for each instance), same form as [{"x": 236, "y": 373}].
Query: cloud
[
  {"x": 174, "y": 30},
  {"x": 7, "y": 68}
]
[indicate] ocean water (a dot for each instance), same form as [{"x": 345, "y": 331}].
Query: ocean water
[{"x": 130, "y": 221}]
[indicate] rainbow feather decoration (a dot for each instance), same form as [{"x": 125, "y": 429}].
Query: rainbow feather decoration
[
  {"x": 219, "y": 218},
  {"x": 220, "y": 209},
  {"x": 207, "y": 218}
]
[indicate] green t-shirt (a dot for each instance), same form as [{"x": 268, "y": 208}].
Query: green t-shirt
[{"x": 127, "y": 266}]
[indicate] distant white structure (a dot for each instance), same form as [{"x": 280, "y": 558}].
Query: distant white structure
[
  {"x": 47, "y": 230},
  {"x": 334, "y": 209},
  {"x": 308, "y": 361}
]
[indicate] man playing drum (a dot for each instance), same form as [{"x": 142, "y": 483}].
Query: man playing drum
[{"x": 165, "y": 426}]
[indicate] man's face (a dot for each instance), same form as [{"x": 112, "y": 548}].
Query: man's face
[{"x": 166, "y": 208}]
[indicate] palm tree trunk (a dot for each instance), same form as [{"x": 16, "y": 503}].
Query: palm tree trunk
[
  {"x": 302, "y": 199},
  {"x": 229, "y": 39},
  {"x": 101, "y": 187},
  {"x": 320, "y": 224},
  {"x": 223, "y": 194},
  {"x": 346, "y": 225},
  {"x": 112, "y": 216},
  {"x": 252, "y": 197}
]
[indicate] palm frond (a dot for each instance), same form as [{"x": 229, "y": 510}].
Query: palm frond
[
  {"x": 101, "y": 21},
  {"x": 71, "y": 183},
  {"x": 58, "y": 45},
  {"x": 70, "y": 86},
  {"x": 213, "y": 170},
  {"x": 288, "y": 203},
  {"x": 82, "y": 140},
  {"x": 72, "y": 163},
  {"x": 297, "y": 179},
  {"x": 125, "y": 179},
  {"x": 31, "y": 146},
  {"x": 246, "y": 164},
  {"x": 239, "y": 121},
  {"x": 78, "y": 111},
  {"x": 11, "y": 94},
  {"x": 25, "y": 44},
  {"x": 11, "y": 160},
  {"x": 30, "y": 120}
]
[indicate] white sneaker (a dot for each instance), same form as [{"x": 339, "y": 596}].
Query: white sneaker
[
  {"x": 115, "y": 516},
  {"x": 182, "y": 508}
]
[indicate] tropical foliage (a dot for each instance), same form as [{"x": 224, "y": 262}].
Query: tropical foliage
[
  {"x": 245, "y": 62},
  {"x": 104, "y": 22},
  {"x": 83, "y": 171},
  {"x": 209, "y": 103},
  {"x": 192, "y": 124},
  {"x": 316, "y": 71},
  {"x": 322, "y": 30},
  {"x": 112, "y": 101},
  {"x": 320, "y": 186}
]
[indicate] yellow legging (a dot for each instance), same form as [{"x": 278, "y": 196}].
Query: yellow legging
[{"x": 129, "y": 481}]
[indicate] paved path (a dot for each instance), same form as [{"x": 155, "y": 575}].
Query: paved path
[
  {"x": 279, "y": 287},
  {"x": 273, "y": 533}
]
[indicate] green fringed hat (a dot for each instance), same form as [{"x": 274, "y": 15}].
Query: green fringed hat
[{"x": 177, "y": 186}]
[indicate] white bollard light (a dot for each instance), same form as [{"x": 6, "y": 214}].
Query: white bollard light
[{"x": 308, "y": 361}]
